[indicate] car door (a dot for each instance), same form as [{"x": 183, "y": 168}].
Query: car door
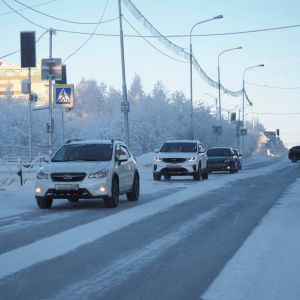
[
  {"x": 120, "y": 167},
  {"x": 128, "y": 168}
]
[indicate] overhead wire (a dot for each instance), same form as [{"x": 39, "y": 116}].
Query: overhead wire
[
  {"x": 165, "y": 54},
  {"x": 12, "y": 12},
  {"x": 63, "y": 20},
  {"x": 273, "y": 87},
  {"x": 17, "y": 51},
  {"x": 17, "y": 12},
  {"x": 87, "y": 40}
]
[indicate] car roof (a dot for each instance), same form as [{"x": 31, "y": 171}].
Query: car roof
[
  {"x": 183, "y": 141},
  {"x": 85, "y": 142}
]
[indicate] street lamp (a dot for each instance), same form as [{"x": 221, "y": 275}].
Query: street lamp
[
  {"x": 243, "y": 108},
  {"x": 191, "y": 69},
  {"x": 219, "y": 82}
]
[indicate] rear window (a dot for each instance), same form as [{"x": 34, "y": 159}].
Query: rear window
[
  {"x": 179, "y": 147},
  {"x": 88, "y": 152},
  {"x": 219, "y": 152}
]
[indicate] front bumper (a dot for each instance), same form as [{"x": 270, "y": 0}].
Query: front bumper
[
  {"x": 88, "y": 188},
  {"x": 175, "y": 169},
  {"x": 218, "y": 166}
]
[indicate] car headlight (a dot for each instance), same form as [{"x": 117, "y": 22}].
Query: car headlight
[
  {"x": 42, "y": 175},
  {"x": 99, "y": 174},
  {"x": 192, "y": 158},
  {"x": 157, "y": 159}
]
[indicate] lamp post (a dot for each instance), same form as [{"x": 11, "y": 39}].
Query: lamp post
[
  {"x": 191, "y": 69},
  {"x": 219, "y": 81},
  {"x": 243, "y": 106}
]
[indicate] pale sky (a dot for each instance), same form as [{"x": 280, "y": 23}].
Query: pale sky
[{"x": 99, "y": 59}]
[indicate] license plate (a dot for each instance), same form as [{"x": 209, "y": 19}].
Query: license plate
[
  {"x": 174, "y": 166},
  {"x": 66, "y": 187}
]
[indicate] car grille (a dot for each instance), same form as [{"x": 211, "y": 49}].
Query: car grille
[
  {"x": 67, "y": 177},
  {"x": 174, "y": 160}
]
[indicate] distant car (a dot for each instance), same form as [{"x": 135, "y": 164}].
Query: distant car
[
  {"x": 88, "y": 169},
  {"x": 239, "y": 157},
  {"x": 180, "y": 158},
  {"x": 294, "y": 153},
  {"x": 222, "y": 159}
]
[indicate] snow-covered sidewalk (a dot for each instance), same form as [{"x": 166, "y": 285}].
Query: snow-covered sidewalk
[{"x": 267, "y": 265}]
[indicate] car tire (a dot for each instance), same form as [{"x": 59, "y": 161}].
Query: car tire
[
  {"x": 134, "y": 194},
  {"x": 232, "y": 169},
  {"x": 156, "y": 177},
  {"x": 167, "y": 177},
  {"x": 44, "y": 202},
  {"x": 113, "y": 200},
  {"x": 205, "y": 173},
  {"x": 197, "y": 175},
  {"x": 294, "y": 158}
]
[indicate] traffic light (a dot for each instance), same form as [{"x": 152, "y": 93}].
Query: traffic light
[
  {"x": 28, "y": 58},
  {"x": 277, "y": 132},
  {"x": 233, "y": 117}
]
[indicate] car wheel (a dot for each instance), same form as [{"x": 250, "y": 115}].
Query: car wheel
[
  {"x": 205, "y": 173},
  {"x": 232, "y": 169},
  {"x": 113, "y": 200},
  {"x": 134, "y": 194},
  {"x": 197, "y": 175},
  {"x": 156, "y": 177},
  {"x": 73, "y": 199},
  {"x": 44, "y": 202},
  {"x": 167, "y": 177},
  {"x": 294, "y": 158}
]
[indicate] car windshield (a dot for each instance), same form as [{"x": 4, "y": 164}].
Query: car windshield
[
  {"x": 219, "y": 152},
  {"x": 81, "y": 152},
  {"x": 179, "y": 147}
]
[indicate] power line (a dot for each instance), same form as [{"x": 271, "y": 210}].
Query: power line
[
  {"x": 273, "y": 87},
  {"x": 91, "y": 35},
  {"x": 17, "y": 51},
  {"x": 12, "y": 12},
  {"x": 152, "y": 44},
  {"x": 17, "y": 12},
  {"x": 178, "y": 50},
  {"x": 63, "y": 20}
]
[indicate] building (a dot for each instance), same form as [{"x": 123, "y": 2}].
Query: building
[{"x": 11, "y": 77}]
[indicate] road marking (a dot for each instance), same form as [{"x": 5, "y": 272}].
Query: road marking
[{"x": 66, "y": 241}]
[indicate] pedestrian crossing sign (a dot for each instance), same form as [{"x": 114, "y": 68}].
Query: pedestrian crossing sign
[{"x": 63, "y": 95}]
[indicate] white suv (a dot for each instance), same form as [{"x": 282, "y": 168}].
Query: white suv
[
  {"x": 89, "y": 169},
  {"x": 180, "y": 158}
]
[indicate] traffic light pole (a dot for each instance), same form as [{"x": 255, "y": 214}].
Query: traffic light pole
[
  {"x": 50, "y": 93},
  {"x": 30, "y": 117}
]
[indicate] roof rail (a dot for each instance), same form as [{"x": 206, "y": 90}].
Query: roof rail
[{"x": 73, "y": 140}]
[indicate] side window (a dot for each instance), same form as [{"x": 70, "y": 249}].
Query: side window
[{"x": 120, "y": 150}]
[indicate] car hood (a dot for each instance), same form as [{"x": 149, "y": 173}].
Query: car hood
[
  {"x": 71, "y": 166},
  {"x": 177, "y": 154}
]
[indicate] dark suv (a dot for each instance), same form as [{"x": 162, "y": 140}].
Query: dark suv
[
  {"x": 222, "y": 159},
  {"x": 294, "y": 153}
]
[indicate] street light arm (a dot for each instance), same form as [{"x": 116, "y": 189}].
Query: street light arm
[{"x": 201, "y": 22}]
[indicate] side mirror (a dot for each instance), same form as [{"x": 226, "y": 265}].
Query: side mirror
[
  {"x": 123, "y": 158},
  {"x": 156, "y": 150}
]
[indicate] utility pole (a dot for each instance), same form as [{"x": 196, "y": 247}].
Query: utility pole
[
  {"x": 124, "y": 88},
  {"x": 30, "y": 117},
  {"x": 50, "y": 123}
]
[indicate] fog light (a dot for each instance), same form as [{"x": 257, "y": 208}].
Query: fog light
[
  {"x": 38, "y": 190},
  {"x": 102, "y": 189}
]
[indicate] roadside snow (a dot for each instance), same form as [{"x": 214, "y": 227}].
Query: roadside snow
[{"x": 267, "y": 265}]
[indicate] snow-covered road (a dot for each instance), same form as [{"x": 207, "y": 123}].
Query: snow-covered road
[{"x": 181, "y": 233}]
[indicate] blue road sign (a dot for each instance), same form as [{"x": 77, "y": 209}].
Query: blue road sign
[{"x": 63, "y": 95}]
